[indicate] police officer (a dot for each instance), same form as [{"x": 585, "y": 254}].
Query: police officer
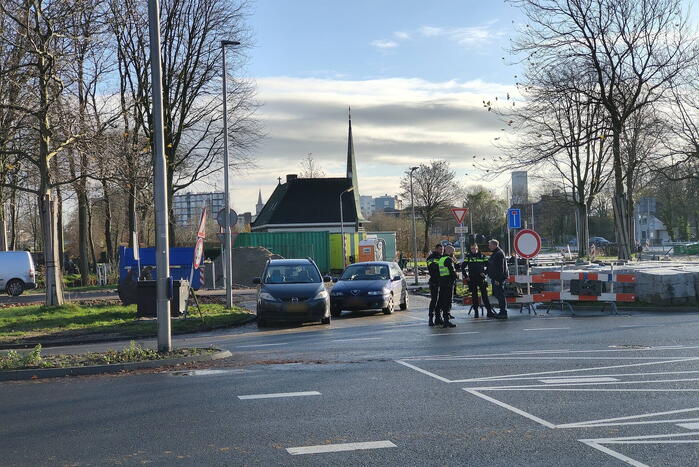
[
  {"x": 447, "y": 279},
  {"x": 433, "y": 270},
  {"x": 498, "y": 272},
  {"x": 473, "y": 269}
]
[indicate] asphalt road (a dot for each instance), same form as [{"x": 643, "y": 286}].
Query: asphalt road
[{"x": 386, "y": 390}]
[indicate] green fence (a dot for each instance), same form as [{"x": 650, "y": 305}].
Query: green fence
[{"x": 315, "y": 245}]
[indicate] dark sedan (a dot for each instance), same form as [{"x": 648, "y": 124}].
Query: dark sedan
[
  {"x": 366, "y": 286},
  {"x": 292, "y": 290}
]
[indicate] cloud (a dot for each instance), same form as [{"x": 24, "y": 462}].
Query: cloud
[
  {"x": 396, "y": 123},
  {"x": 402, "y": 35},
  {"x": 384, "y": 44},
  {"x": 465, "y": 36}
]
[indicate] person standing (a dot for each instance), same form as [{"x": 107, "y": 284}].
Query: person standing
[
  {"x": 433, "y": 270},
  {"x": 447, "y": 279},
  {"x": 473, "y": 270},
  {"x": 498, "y": 272}
]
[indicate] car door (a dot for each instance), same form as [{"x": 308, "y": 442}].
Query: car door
[{"x": 397, "y": 286}]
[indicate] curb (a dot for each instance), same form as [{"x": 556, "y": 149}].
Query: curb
[
  {"x": 98, "y": 340},
  {"x": 39, "y": 373}
]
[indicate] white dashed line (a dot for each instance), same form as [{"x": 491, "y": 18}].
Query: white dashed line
[
  {"x": 259, "y": 345},
  {"x": 578, "y": 380},
  {"x": 545, "y": 329},
  {"x": 454, "y": 333},
  {"x": 689, "y": 426},
  {"x": 357, "y": 339},
  {"x": 340, "y": 447},
  {"x": 279, "y": 394}
]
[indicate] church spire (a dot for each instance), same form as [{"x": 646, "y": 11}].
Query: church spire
[
  {"x": 260, "y": 204},
  {"x": 351, "y": 164}
]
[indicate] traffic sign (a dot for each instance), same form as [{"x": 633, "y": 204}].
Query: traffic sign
[
  {"x": 221, "y": 217},
  {"x": 527, "y": 243},
  {"x": 198, "y": 252},
  {"x": 460, "y": 229},
  {"x": 514, "y": 219},
  {"x": 459, "y": 214}
]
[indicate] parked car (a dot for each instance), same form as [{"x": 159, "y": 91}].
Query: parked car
[
  {"x": 599, "y": 241},
  {"x": 292, "y": 290},
  {"x": 368, "y": 286},
  {"x": 17, "y": 272}
]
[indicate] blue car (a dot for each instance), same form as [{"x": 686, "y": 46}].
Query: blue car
[{"x": 376, "y": 285}]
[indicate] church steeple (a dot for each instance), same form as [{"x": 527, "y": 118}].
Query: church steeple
[
  {"x": 351, "y": 164},
  {"x": 260, "y": 204}
]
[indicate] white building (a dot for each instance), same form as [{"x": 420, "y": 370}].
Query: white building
[
  {"x": 187, "y": 207},
  {"x": 366, "y": 204}
]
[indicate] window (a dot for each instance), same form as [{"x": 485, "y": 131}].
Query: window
[
  {"x": 366, "y": 272},
  {"x": 294, "y": 274}
]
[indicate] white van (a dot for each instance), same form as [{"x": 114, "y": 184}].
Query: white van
[{"x": 17, "y": 272}]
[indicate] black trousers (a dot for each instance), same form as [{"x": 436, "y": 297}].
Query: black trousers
[
  {"x": 474, "y": 287},
  {"x": 446, "y": 295},
  {"x": 434, "y": 299},
  {"x": 499, "y": 293}
]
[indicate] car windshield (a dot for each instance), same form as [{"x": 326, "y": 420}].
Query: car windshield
[
  {"x": 360, "y": 272},
  {"x": 291, "y": 274}
]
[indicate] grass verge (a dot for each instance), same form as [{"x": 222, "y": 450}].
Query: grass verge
[
  {"x": 132, "y": 353},
  {"x": 71, "y": 321}
]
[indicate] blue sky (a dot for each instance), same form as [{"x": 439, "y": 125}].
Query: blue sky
[{"x": 414, "y": 72}]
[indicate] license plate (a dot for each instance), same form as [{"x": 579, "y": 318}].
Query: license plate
[{"x": 296, "y": 307}]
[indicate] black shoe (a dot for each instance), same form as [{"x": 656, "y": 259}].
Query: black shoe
[
  {"x": 501, "y": 315},
  {"x": 490, "y": 314},
  {"x": 449, "y": 316},
  {"x": 449, "y": 324},
  {"x": 431, "y": 322},
  {"x": 475, "y": 314},
  {"x": 439, "y": 321}
]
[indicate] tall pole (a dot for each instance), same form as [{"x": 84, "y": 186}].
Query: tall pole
[
  {"x": 227, "y": 243},
  {"x": 342, "y": 229},
  {"x": 412, "y": 208},
  {"x": 162, "y": 243}
]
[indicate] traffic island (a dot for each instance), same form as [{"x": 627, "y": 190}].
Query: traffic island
[
  {"x": 70, "y": 324},
  {"x": 33, "y": 365}
]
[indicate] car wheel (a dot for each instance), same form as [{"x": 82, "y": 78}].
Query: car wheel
[
  {"x": 325, "y": 320},
  {"x": 15, "y": 287},
  {"x": 389, "y": 309},
  {"x": 335, "y": 312},
  {"x": 404, "y": 305}
]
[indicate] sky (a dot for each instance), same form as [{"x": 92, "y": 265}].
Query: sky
[{"x": 415, "y": 74}]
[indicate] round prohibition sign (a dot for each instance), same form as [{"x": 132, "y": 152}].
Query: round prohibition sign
[
  {"x": 527, "y": 243},
  {"x": 198, "y": 252}
]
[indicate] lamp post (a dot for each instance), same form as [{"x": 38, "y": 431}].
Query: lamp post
[
  {"x": 228, "y": 245},
  {"x": 412, "y": 207},
  {"x": 342, "y": 228},
  {"x": 162, "y": 242}
]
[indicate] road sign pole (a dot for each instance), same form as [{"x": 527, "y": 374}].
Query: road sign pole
[{"x": 462, "y": 239}]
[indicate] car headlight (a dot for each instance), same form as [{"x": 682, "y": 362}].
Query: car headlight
[
  {"x": 268, "y": 297},
  {"x": 321, "y": 295},
  {"x": 377, "y": 292},
  {"x": 337, "y": 294}
]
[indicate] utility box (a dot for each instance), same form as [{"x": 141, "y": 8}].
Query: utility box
[
  {"x": 370, "y": 250},
  {"x": 146, "y": 301}
]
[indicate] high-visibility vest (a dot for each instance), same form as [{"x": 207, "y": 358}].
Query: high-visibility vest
[{"x": 443, "y": 269}]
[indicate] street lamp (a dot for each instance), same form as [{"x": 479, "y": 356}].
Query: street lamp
[
  {"x": 412, "y": 207},
  {"x": 228, "y": 245},
  {"x": 342, "y": 228}
]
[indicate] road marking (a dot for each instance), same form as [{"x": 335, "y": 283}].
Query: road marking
[
  {"x": 454, "y": 333},
  {"x": 545, "y": 329},
  {"x": 614, "y": 454},
  {"x": 321, "y": 448},
  {"x": 591, "y": 379},
  {"x": 424, "y": 372},
  {"x": 279, "y": 394},
  {"x": 640, "y": 326},
  {"x": 259, "y": 345},
  {"x": 357, "y": 339},
  {"x": 630, "y": 417},
  {"x": 511, "y": 408},
  {"x": 689, "y": 426}
]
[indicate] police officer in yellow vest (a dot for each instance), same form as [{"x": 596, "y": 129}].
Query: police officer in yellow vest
[
  {"x": 447, "y": 279},
  {"x": 433, "y": 270}
]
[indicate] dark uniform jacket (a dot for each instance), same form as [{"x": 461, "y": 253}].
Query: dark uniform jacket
[
  {"x": 497, "y": 266},
  {"x": 473, "y": 266},
  {"x": 433, "y": 268}
]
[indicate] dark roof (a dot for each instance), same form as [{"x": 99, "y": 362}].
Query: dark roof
[{"x": 310, "y": 201}]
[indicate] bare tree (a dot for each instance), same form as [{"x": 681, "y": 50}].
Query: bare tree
[
  {"x": 310, "y": 167},
  {"x": 632, "y": 49},
  {"x": 435, "y": 190}
]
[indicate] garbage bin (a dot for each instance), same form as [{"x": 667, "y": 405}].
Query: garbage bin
[{"x": 146, "y": 298}]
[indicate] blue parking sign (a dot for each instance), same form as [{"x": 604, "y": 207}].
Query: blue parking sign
[{"x": 514, "y": 218}]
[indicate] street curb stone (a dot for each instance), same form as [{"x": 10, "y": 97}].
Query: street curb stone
[
  {"x": 67, "y": 342},
  {"x": 39, "y": 373}
]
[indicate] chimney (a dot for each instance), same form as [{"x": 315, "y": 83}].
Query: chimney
[{"x": 290, "y": 177}]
